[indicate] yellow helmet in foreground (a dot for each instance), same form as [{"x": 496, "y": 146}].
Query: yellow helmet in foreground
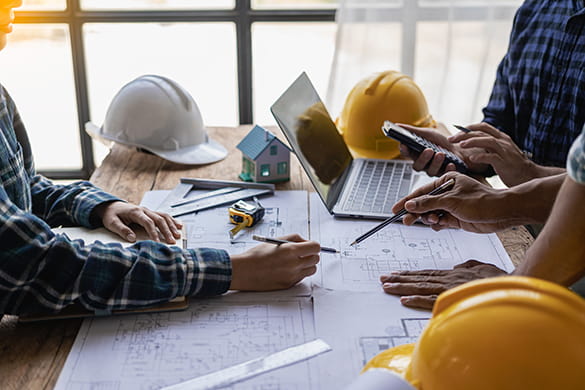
[
  {"x": 500, "y": 333},
  {"x": 388, "y": 95}
]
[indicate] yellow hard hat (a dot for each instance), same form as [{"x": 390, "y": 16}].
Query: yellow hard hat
[
  {"x": 498, "y": 333},
  {"x": 388, "y": 95}
]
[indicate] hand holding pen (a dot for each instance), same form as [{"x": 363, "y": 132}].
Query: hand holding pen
[{"x": 442, "y": 188}]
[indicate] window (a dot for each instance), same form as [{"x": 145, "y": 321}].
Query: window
[
  {"x": 91, "y": 48},
  {"x": 281, "y": 168},
  {"x": 273, "y": 150},
  {"x": 265, "y": 170}
]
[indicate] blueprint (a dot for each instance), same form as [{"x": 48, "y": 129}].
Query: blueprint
[
  {"x": 285, "y": 212},
  {"x": 150, "y": 351},
  {"x": 394, "y": 248},
  {"x": 358, "y": 326}
]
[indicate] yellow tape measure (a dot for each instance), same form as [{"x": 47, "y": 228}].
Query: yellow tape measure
[{"x": 245, "y": 214}]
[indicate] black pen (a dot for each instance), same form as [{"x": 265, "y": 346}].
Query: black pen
[
  {"x": 442, "y": 188},
  {"x": 276, "y": 241},
  {"x": 462, "y": 128}
]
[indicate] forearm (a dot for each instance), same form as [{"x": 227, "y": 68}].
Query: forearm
[
  {"x": 42, "y": 271},
  {"x": 532, "y": 202},
  {"x": 72, "y": 204},
  {"x": 558, "y": 254}
]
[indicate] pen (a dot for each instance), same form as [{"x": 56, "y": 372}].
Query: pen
[
  {"x": 462, "y": 128},
  {"x": 442, "y": 188},
  {"x": 278, "y": 242}
]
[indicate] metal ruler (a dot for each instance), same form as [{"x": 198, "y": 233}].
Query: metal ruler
[
  {"x": 180, "y": 202},
  {"x": 252, "y": 368}
]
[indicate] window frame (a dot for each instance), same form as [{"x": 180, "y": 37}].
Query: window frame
[{"x": 242, "y": 15}]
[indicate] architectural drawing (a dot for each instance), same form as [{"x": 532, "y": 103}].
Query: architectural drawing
[
  {"x": 286, "y": 212},
  {"x": 358, "y": 326},
  {"x": 155, "y": 350},
  {"x": 394, "y": 248},
  {"x": 409, "y": 333}
]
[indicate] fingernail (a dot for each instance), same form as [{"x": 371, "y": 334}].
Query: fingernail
[
  {"x": 404, "y": 299},
  {"x": 389, "y": 285},
  {"x": 395, "y": 273},
  {"x": 410, "y": 205},
  {"x": 131, "y": 237}
]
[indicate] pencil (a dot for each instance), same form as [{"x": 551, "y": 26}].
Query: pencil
[
  {"x": 276, "y": 241},
  {"x": 462, "y": 128},
  {"x": 442, "y": 188}
]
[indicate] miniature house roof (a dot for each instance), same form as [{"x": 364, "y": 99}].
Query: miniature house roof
[{"x": 257, "y": 140}]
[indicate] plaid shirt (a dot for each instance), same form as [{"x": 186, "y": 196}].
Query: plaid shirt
[
  {"x": 44, "y": 271},
  {"x": 539, "y": 94}
]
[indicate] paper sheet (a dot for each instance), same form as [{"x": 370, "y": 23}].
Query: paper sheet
[
  {"x": 286, "y": 212},
  {"x": 396, "y": 247},
  {"x": 358, "y": 326},
  {"x": 156, "y": 350}
]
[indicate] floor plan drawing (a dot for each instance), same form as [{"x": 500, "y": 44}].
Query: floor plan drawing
[
  {"x": 410, "y": 332},
  {"x": 394, "y": 248},
  {"x": 358, "y": 326},
  {"x": 285, "y": 212},
  {"x": 156, "y": 350}
]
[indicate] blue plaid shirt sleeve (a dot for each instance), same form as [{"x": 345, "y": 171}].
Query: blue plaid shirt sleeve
[
  {"x": 576, "y": 160},
  {"x": 68, "y": 205},
  {"x": 42, "y": 271}
]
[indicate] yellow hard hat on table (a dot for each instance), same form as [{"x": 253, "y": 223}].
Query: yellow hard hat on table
[
  {"x": 498, "y": 333},
  {"x": 388, "y": 95}
]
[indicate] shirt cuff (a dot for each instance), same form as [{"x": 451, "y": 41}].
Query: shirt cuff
[{"x": 209, "y": 272}]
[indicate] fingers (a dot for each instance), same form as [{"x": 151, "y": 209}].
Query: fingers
[
  {"x": 435, "y": 166},
  {"x": 165, "y": 227},
  {"x": 120, "y": 228},
  {"x": 425, "y": 302},
  {"x": 490, "y": 144},
  {"x": 423, "y": 190},
  {"x": 423, "y": 160},
  {"x": 292, "y": 237},
  {"x": 419, "y": 288},
  {"x": 422, "y": 272},
  {"x": 431, "y": 277}
]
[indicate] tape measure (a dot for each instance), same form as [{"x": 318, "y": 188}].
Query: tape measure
[
  {"x": 245, "y": 214},
  {"x": 252, "y": 368}
]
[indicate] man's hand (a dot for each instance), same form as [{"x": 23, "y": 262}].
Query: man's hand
[
  {"x": 274, "y": 267},
  {"x": 420, "y": 289},
  {"x": 468, "y": 205},
  {"x": 432, "y": 162},
  {"x": 118, "y": 216},
  {"x": 494, "y": 147}
]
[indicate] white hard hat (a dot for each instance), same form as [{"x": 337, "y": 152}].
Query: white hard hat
[{"x": 156, "y": 114}]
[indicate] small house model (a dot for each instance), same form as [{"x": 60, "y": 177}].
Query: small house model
[{"x": 265, "y": 159}]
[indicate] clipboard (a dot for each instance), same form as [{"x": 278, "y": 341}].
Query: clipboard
[{"x": 77, "y": 311}]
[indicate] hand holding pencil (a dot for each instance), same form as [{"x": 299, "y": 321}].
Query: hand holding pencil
[
  {"x": 399, "y": 214},
  {"x": 469, "y": 205}
]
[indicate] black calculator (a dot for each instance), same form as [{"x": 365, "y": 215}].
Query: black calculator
[{"x": 418, "y": 144}]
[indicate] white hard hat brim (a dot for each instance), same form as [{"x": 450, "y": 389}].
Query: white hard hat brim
[{"x": 205, "y": 153}]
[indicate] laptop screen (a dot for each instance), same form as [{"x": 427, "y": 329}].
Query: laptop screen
[{"x": 305, "y": 122}]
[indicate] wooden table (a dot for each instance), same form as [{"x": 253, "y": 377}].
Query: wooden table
[{"x": 32, "y": 355}]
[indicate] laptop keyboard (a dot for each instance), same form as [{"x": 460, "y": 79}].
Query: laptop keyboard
[{"x": 380, "y": 184}]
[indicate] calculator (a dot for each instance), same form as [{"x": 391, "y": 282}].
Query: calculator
[{"x": 418, "y": 144}]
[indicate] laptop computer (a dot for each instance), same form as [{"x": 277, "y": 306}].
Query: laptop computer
[{"x": 348, "y": 187}]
